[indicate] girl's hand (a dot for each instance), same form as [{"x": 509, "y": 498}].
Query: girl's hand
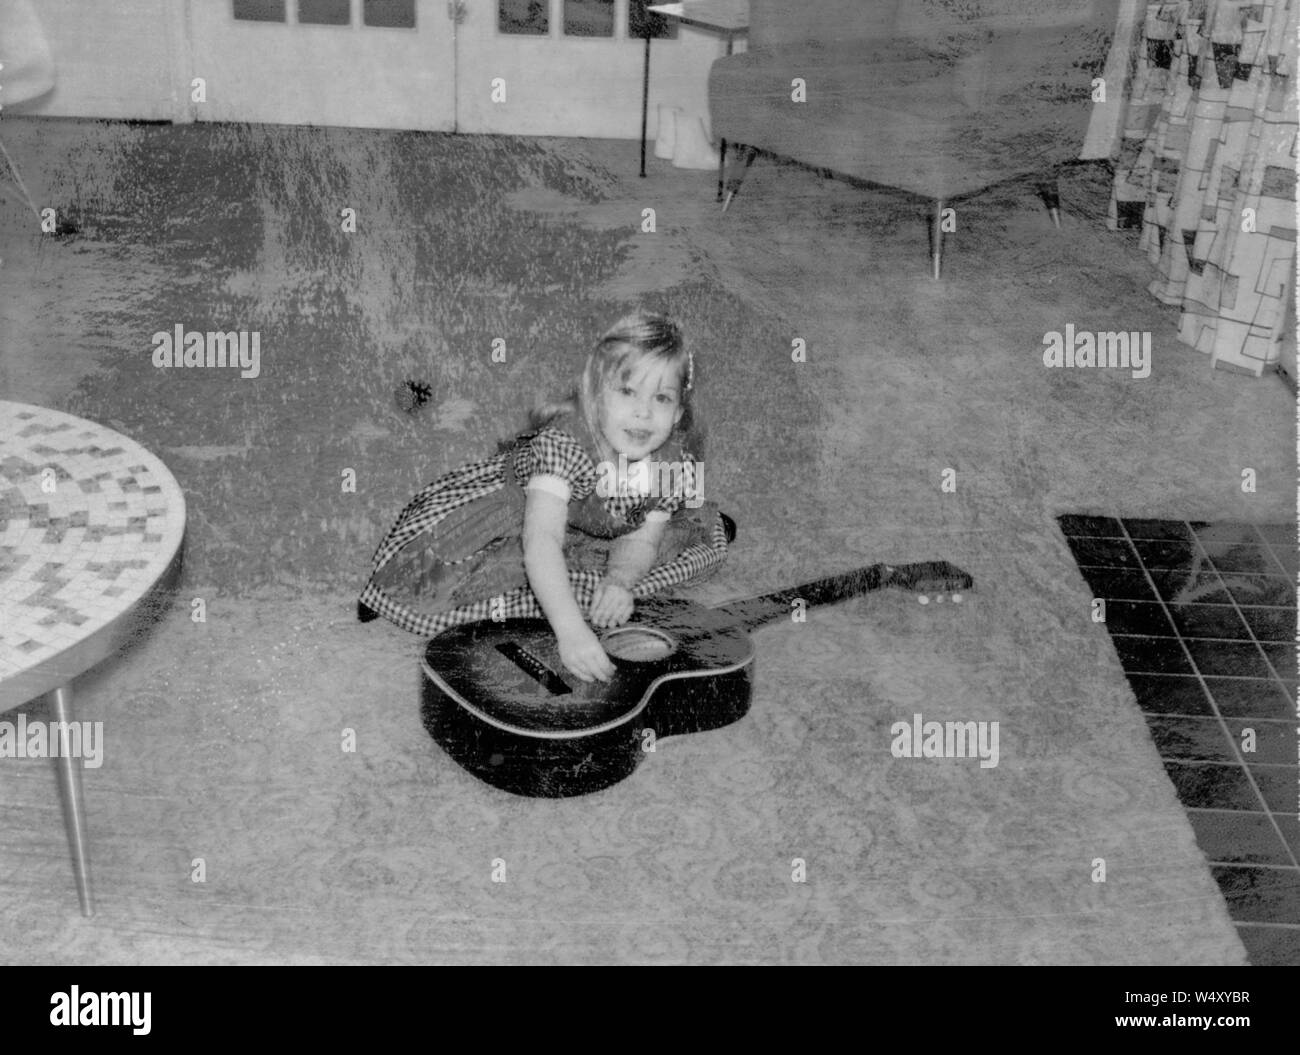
[
  {"x": 581, "y": 653},
  {"x": 611, "y": 604}
]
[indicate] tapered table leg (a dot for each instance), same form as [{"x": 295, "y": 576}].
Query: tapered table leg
[{"x": 74, "y": 812}]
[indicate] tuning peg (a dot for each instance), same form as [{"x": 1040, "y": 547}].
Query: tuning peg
[
  {"x": 957, "y": 598},
  {"x": 923, "y": 598},
  {"x": 938, "y": 598}
]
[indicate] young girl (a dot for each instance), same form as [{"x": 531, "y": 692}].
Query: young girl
[{"x": 600, "y": 504}]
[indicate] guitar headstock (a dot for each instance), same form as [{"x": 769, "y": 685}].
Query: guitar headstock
[{"x": 935, "y": 578}]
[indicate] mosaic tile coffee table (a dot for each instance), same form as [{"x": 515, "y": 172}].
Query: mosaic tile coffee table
[{"x": 91, "y": 526}]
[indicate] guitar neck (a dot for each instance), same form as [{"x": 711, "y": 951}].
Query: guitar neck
[
  {"x": 926, "y": 577},
  {"x": 756, "y": 611}
]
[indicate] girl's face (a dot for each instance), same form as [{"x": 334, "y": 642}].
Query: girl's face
[{"x": 637, "y": 415}]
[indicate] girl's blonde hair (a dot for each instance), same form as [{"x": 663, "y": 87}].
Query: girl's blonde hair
[{"x": 615, "y": 357}]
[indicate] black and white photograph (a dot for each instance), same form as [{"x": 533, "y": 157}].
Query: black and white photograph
[{"x": 610, "y": 483}]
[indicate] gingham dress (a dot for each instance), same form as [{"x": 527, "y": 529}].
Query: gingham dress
[{"x": 455, "y": 554}]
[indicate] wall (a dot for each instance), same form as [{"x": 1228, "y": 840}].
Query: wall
[
  {"x": 136, "y": 58},
  {"x": 112, "y": 60}
]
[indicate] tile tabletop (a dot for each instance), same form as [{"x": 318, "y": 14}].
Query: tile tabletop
[{"x": 90, "y": 522}]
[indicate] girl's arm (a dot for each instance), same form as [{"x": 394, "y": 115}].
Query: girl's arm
[
  {"x": 545, "y": 519},
  {"x": 630, "y": 557},
  {"x": 687, "y": 565}
]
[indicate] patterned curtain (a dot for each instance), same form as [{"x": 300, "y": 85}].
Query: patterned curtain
[{"x": 1207, "y": 168}]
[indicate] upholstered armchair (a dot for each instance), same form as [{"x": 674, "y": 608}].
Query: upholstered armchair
[
  {"x": 28, "y": 71},
  {"x": 941, "y": 98}
]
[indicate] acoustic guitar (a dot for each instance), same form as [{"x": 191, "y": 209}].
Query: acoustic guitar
[{"x": 497, "y": 699}]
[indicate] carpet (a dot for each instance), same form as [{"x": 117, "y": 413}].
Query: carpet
[{"x": 230, "y": 823}]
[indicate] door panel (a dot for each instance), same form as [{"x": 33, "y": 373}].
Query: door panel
[
  {"x": 355, "y": 63},
  {"x": 523, "y": 67},
  {"x": 564, "y": 72}
]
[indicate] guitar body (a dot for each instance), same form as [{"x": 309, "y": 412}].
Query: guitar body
[
  {"x": 679, "y": 668},
  {"x": 497, "y": 698}
]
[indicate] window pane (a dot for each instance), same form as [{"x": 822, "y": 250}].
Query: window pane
[
  {"x": 323, "y": 12},
  {"x": 639, "y": 20},
  {"x": 523, "y": 16},
  {"x": 589, "y": 18},
  {"x": 394, "y": 14},
  {"x": 259, "y": 10}
]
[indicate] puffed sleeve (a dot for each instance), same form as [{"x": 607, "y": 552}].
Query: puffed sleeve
[
  {"x": 554, "y": 461},
  {"x": 681, "y": 484}
]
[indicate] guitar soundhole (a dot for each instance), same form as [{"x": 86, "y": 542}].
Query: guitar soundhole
[{"x": 638, "y": 644}]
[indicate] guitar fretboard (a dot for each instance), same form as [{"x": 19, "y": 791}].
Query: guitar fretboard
[{"x": 929, "y": 576}]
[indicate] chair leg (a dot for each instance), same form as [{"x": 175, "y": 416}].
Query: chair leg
[
  {"x": 936, "y": 238},
  {"x": 18, "y": 181},
  {"x": 74, "y": 811},
  {"x": 1051, "y": 195},
  {"x": 750, "y": 154},
  {"x": 63, "y": 227}
]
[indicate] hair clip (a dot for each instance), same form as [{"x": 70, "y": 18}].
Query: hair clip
[{"x": 690, "y": 369}]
